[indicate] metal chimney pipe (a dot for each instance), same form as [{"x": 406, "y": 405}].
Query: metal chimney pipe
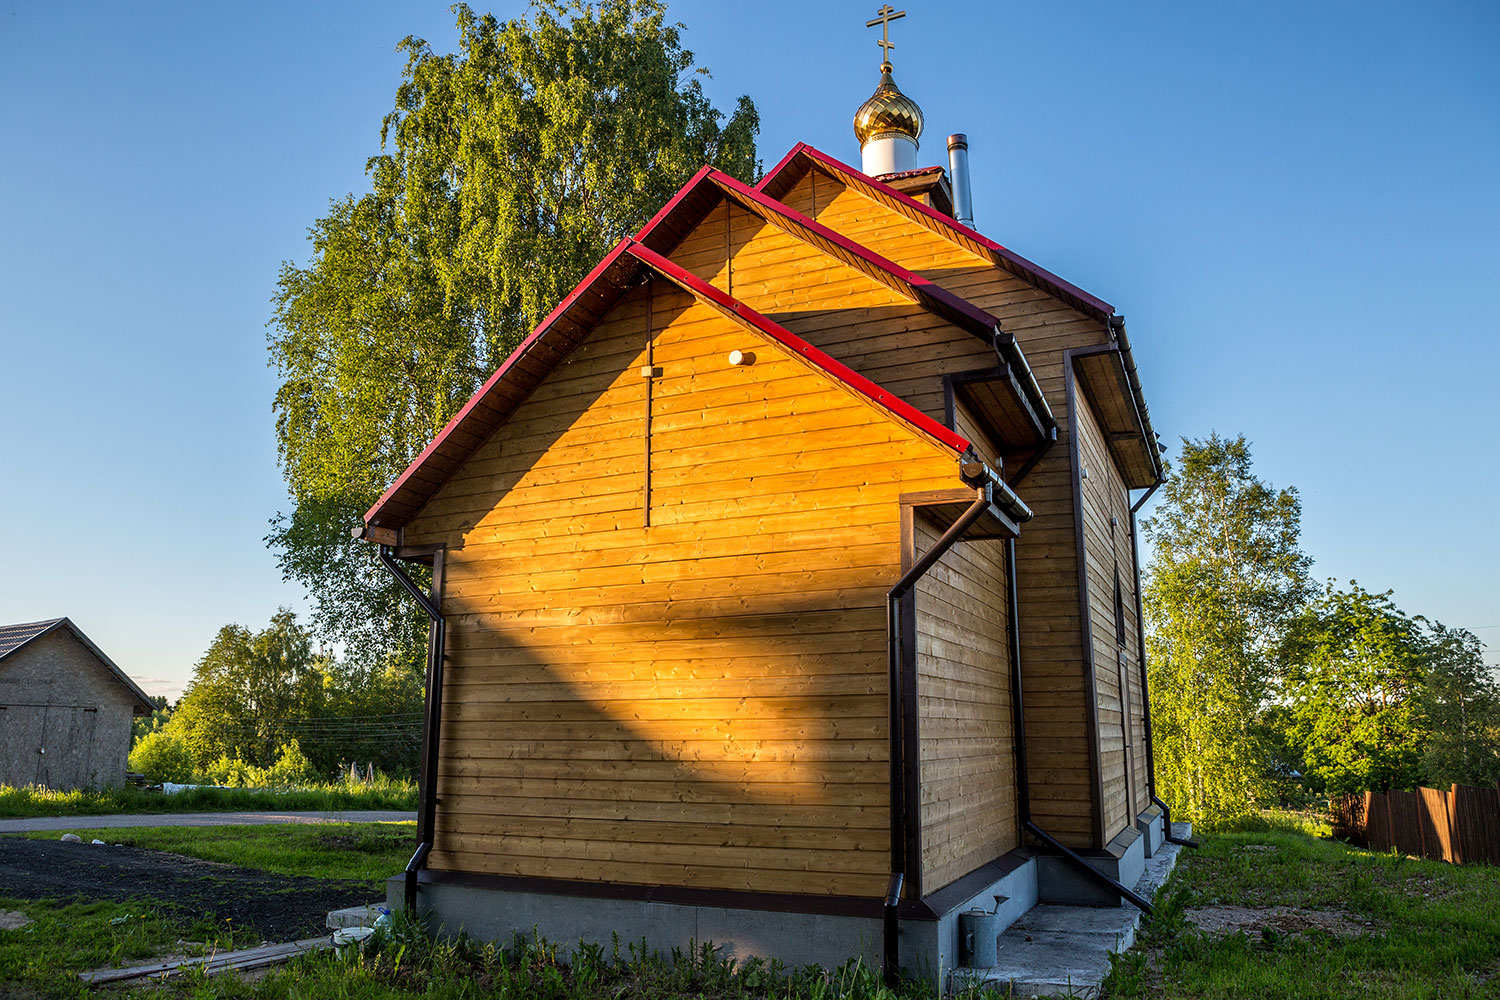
[{"x": 958, "y": 174}]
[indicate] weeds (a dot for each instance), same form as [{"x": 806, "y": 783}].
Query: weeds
[{"x": 31, "y": 800}]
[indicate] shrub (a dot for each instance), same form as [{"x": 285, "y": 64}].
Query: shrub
[{"x": 161, "y": 756}]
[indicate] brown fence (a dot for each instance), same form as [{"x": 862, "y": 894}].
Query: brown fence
[{"x": 1461, "y": 825}]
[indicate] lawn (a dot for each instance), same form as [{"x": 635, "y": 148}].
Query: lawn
[
  {"x": 1355, "y": 924},
  {"x": 42, "y": 959},
  {"x": 1351, "y": 924},
  {"x": 368, "y": 852},
  {"x": 332, "y": 797}
]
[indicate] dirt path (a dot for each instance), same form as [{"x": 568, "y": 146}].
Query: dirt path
[
  {"x": 43, "y": 823},
  {"x": 279, "y": 907}
]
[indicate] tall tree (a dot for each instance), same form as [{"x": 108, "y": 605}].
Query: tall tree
[
  {"x": 1461, "y": 698},
  {"x": 1354, "y": 692},
  {"x": 248, "y": 690},
  {"x": 508, "y": 169},
  {"x": 1225, "y": 582}
]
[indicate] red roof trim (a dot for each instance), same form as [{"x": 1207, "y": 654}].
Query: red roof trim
[
  {"x": 672, "y": 203},
  {"x": 834, "y": 369},
  {"x": 1102, "y": 310},
  {"x": 983, "y": 322},
  {"x": 452, "y": 426}
]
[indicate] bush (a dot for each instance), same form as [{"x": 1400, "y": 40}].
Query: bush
[{"x": 161, "y": 756}]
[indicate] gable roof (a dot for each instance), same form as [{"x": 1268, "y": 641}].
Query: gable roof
[
  {"x": 803, "y": 157},
  {"x": 16, "y": 637},
  {"x": 927, "y": 294},
  {"x": 563, "y": 329}
]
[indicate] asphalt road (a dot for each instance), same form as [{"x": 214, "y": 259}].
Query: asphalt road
[{"x": 64, "y": 823}]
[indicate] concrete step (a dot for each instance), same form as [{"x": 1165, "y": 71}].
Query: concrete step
[{"x": 1057, "y": 950}]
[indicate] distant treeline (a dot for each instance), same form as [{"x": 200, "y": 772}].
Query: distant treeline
[{"x": 267, "y": 708}]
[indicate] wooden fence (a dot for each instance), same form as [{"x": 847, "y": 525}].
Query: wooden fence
[{"x": 1461, "y": 825}]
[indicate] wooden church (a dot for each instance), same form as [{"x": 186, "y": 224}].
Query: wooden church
[{"x": 784, "y": 583}]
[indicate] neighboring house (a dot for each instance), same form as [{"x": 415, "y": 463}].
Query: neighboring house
[
  {"x": 787, "y": 570},
  {"x": 65, "y": 708}
]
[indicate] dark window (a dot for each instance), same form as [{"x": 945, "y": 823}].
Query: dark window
[{"x": 1119, "y": 609}]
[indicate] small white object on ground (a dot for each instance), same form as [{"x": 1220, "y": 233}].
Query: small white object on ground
[
  {"x": 351, "y": 935},
  {"x": 71, "y": 838},
  {"x": 99, "y": 842},
  {"x": 13, "y": 920}
]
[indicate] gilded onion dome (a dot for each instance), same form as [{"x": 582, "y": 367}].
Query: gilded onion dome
[{"x": 887, "y": 112}]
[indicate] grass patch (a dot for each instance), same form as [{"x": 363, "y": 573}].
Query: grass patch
[
  {"x": 367, "y": 852},
  {"x": 333, "y": 797},
  {"x": 408, "y": 964},
  {"x": 1411, "y": 928},
  {"x": 43, "y": 958}
]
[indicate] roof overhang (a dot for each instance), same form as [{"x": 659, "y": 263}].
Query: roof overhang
[
  {"x": 1121, "y": 413},
  {"x": 1144, "y": 451},
  {"x": 562, "y": 331}
]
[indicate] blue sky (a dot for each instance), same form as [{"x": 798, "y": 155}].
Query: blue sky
[{"x": 1296, "y": 206}]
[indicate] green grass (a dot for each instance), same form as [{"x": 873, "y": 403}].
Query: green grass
[
  {"x": 333, "y": 797},
  {"x": 369, "y": 852},
  {"x": 408, "y": 964},
  {"x": 42, "y": 959},
  {"x": 1424, "y": 929}
]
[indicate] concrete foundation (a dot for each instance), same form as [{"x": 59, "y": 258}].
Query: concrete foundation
[
  {"x": 1009, "y": 888},
  {"x": 1153, "y": 827},
  {"x": 1123, "y": 859},
  {"x": 489, "y": 914}
]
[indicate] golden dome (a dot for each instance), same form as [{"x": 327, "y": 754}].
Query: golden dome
[{"x": 887, "y": 112}]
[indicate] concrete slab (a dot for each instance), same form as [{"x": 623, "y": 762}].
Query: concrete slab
[{"x": 1057, "y": 950}]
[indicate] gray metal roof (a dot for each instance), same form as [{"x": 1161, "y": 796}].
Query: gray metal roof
[{"x": 13, "y": 637}]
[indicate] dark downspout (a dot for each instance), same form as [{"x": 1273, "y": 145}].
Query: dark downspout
[
  {"x": 1140, "y": 638},
  {"x": 1018, "y": 725},
  {"x": 427, "y": 814},
  {"x": 902, "y": 713}
]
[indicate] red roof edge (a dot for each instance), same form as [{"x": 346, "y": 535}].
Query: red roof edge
[
  {"x": 834, "y": 369},
  {"x": 673, "y": 202},
  {"x": 984, "y": 324},
  {"x": 499, "y": 374},
  {"x": 1092, "y": 303}
]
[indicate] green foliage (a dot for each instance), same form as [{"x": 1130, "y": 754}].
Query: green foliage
[
  {"x": 1354, "y": 677},
  {"x": 383, "y": 793},
  {"x": 1225, "y": 583},
  {"x": 508, "y": 169},
  {"x": 1461, "y": 700},
  {"x": 291, "y": 769},
  {"x": 163, "y": 756},
  {"x": 140, "y": 725},
  {"x": 255, "y": 694}
]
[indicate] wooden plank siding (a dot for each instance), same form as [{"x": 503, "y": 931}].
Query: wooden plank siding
[
  {"x": 1117, "y": 695},
  {"x": 701, "y": 702},
  {"x": 968, "y": 803},
  {"x": 857, "y": 320},
  {"x": 1062, "y": 765}
]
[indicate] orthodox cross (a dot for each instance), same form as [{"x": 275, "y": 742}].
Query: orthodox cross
[{"x": 887, "y": 15}]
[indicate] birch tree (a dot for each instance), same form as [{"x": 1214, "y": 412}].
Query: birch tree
[
  {"x": 1226, "y": 581},
  {"x": 507, "y": 169}
]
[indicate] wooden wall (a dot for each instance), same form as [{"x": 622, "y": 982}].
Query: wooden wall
[
  {"x": 968, "y": 802},
  {"x": 857, "y": 320},
  {"x": 1116, "y": 654},
  {"x": 1052, "y": 654},
  {"x": 701, "y": 702}
]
